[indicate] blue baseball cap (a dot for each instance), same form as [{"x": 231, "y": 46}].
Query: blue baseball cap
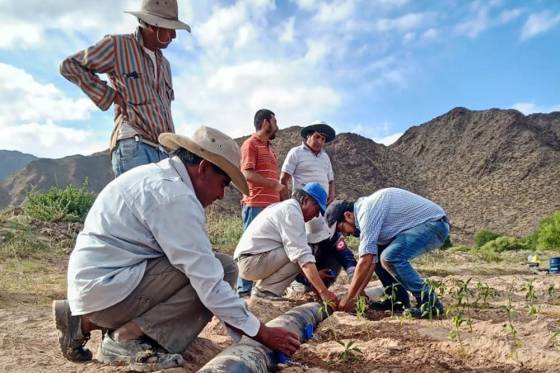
[{"x": 318, "y": 193}]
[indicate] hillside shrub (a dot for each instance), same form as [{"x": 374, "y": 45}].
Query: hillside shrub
[
  {"x": 224, "y": 231},
  {"x": 506, "y": 243},
  {"x": 548, "y": 233},
  {"x": 484, "y": 236},
  {"x": 71, "y": 203}
]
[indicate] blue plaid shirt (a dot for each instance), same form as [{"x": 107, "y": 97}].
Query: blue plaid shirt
[{"x": 388, "y": 212}]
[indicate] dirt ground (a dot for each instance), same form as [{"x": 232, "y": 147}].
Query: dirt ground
[
  {"x": 387, "y": 343},
  {"x": 486, "y": 340}
]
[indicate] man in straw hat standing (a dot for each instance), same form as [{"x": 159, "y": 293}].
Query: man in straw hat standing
[
  {"x": 306, "y": 163},
  {"x": 140, "y": 83},
  {"x": 143, "y": 268}
]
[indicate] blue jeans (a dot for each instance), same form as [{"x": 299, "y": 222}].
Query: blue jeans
[
  {"x": 248, "y": 213},
  {"x": 395, "y": 268},
  {"x": 130, "y": 153}
]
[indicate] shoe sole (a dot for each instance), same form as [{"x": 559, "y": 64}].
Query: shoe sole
[{"x": 60, "y": 316}]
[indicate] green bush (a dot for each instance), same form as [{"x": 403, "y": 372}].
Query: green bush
[
  {"x": 548, "y": 234},
  {"x": 506, "y": 243},
  {"x": 60, "y": 204},
  {"x": 484, "y": 236},
  {"x": 224, "y": 231}
]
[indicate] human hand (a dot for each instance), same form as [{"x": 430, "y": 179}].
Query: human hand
[
  {"x": 120, "y": 105},
  {"x": 278, "y": 339},
  {"x": 346, "y": 305},
  {"x": 330, "y": 298},
  {"x": 279, "y": 188}
]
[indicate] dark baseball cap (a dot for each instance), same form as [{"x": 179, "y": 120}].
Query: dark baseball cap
[{"x": 335, "y": 211}]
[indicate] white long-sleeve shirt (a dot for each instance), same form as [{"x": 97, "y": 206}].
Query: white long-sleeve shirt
[
  {"x": 146, "y": 213},
  {"x": 279, "y": 226}
]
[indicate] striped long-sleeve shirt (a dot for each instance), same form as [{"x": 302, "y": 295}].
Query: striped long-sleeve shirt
[
  {"x": 147, "y": 95},
  {"x": 388, "y": 212}
]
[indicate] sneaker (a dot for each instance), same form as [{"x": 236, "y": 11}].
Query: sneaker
[
  {"x": 70, "y": 337},
  {"x": 423, "y": 312},
  {"x": 385, "y": 305},
  {"x": 296, "y": 288},
  {"x": 141, "y": 355},
  {"x": 265, "y": 294}
]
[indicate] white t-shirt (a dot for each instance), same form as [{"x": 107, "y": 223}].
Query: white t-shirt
[{"x": 306, "y": 167}]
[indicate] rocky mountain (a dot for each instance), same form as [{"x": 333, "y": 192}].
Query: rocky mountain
[
  {"x": 42, "y": 174},
  {"x": 495, "y": 169},
  {"x": 12, "y": 161}
]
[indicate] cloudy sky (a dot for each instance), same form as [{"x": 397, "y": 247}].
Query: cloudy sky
[{"x": 374, "y": 67}]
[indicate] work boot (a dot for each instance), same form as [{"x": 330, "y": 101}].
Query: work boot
[
  {"x": 141, "y": 355},
  {"x": 385, "y": 305},
  {"x": 422, "y": 311},
  {"x": 70, "y": 337},
  {"x": 265, "y": 294}
]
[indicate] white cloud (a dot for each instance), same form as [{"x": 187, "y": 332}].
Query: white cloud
[
  {"x": 475, "y": 25},
  {"x": 380, "y": 133},
  {"x": 29, "y": 110},
  {"x": 539, "y": 23},
  {"x": 231, "y": 95},
  {"x": 482, "y": 19},
  {"x": 24, "y": 23},
  {"x": 334, "y": 12},
  {"x": 22, "y": 98},
  {"x": 509, "y": 15},
  {"x": 531, "y": 108},
  {"x": 287, "y": 32},
  {"x": 50, "y": 140},
  {"x": 406, "y": 22}
]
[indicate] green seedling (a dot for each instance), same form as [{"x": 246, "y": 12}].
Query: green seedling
[
  {"x": 392, "y": 297},
  {"x": 326, "y": 309},
  {"x": 350, "y": 352},
  {"x": 551, "y": 291},
  {"x": 428, "y": 308},
  {"x": 361, "y": 307},
  {"x": 510, "y": 328},
  {"x": 461, "y": 293},
  {"x": 483, "y": 293},
  {"x": 455, "y": 333},
  {"x": 530, "y": 297}
]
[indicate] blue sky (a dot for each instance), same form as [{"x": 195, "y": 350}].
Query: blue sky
[{"x": 374, "y": 67}]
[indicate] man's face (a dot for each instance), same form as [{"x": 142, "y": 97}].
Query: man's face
[
  {"x": 163, "y": 36},
  {"x": 310, "y": 209},
  {"x": 316, "y": 141},
  {"x": 272, "y": 127},
  {"x": 347, "y": 226},
  {"x": 210, "y": 184}
]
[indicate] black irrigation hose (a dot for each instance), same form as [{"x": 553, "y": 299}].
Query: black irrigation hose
[{"x": 250, "y": 356}]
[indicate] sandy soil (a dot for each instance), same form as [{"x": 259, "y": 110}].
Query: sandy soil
[{"x": 28, "y": 341}]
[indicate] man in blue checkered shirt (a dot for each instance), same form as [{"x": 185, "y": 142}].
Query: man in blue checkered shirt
[{"x": 394, "y": 226}]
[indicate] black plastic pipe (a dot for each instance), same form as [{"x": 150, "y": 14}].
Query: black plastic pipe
[{"x": 250, "y": 356}]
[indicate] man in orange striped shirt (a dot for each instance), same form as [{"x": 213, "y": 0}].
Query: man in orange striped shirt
[
  {"x": 140, "y": 89},
  {"x": 259, "y": 165}
]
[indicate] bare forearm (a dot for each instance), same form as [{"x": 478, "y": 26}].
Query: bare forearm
[
  {"x": 259, "y": 180},
  {"x": 332, "y": 192},
  {"x": 312, "y": 274},
  {"x": 362, "y": 275}
]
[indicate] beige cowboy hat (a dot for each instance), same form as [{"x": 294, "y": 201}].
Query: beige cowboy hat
[
  {"x": 214, "y": 146},
  {"x": 161, "y": 13}
]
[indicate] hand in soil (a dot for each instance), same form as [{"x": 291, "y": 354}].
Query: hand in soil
[
  {"x": 347, "y": 305},
  {"x": 330, "y": 298},
  {"x": 278, "y": 339}
]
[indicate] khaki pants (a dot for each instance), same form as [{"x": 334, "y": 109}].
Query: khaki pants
[
  {"x": 272, "y": 270},
  {"x": 164, "y": 305}
]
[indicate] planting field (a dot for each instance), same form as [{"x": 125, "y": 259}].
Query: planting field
[{"x": 501, "y": 317}]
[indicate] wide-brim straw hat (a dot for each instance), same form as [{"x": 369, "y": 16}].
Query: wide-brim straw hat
[
  {"x": 161, "y": 13},
  {"x": 214, "y": 146},
  {"x": 321, "y": 127}
]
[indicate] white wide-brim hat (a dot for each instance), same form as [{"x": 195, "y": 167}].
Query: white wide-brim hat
[
  {"x": 214, "y": 146},
  {"x": 161, "y": 13}
]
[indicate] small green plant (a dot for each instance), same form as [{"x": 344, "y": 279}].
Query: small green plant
[
  {"x": 484, "y": 291},
  {"x": 327, "y": 307},
  {"x": 461, "y": 293},
  {"x": 530, "y": 297},
  {"x": 457, "y": 321},
  {"x": 551, "y": 291},
  {"x": 392, "y": 297},
  {"x": 361, "y": 307},
  {"x": 509, "y": 327},
  {"x": 71, "y": 203},
  {"x": 484, "y": 236},
  {"x": 350, "y": 352},
  {"x": 428, "y": 300}
]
